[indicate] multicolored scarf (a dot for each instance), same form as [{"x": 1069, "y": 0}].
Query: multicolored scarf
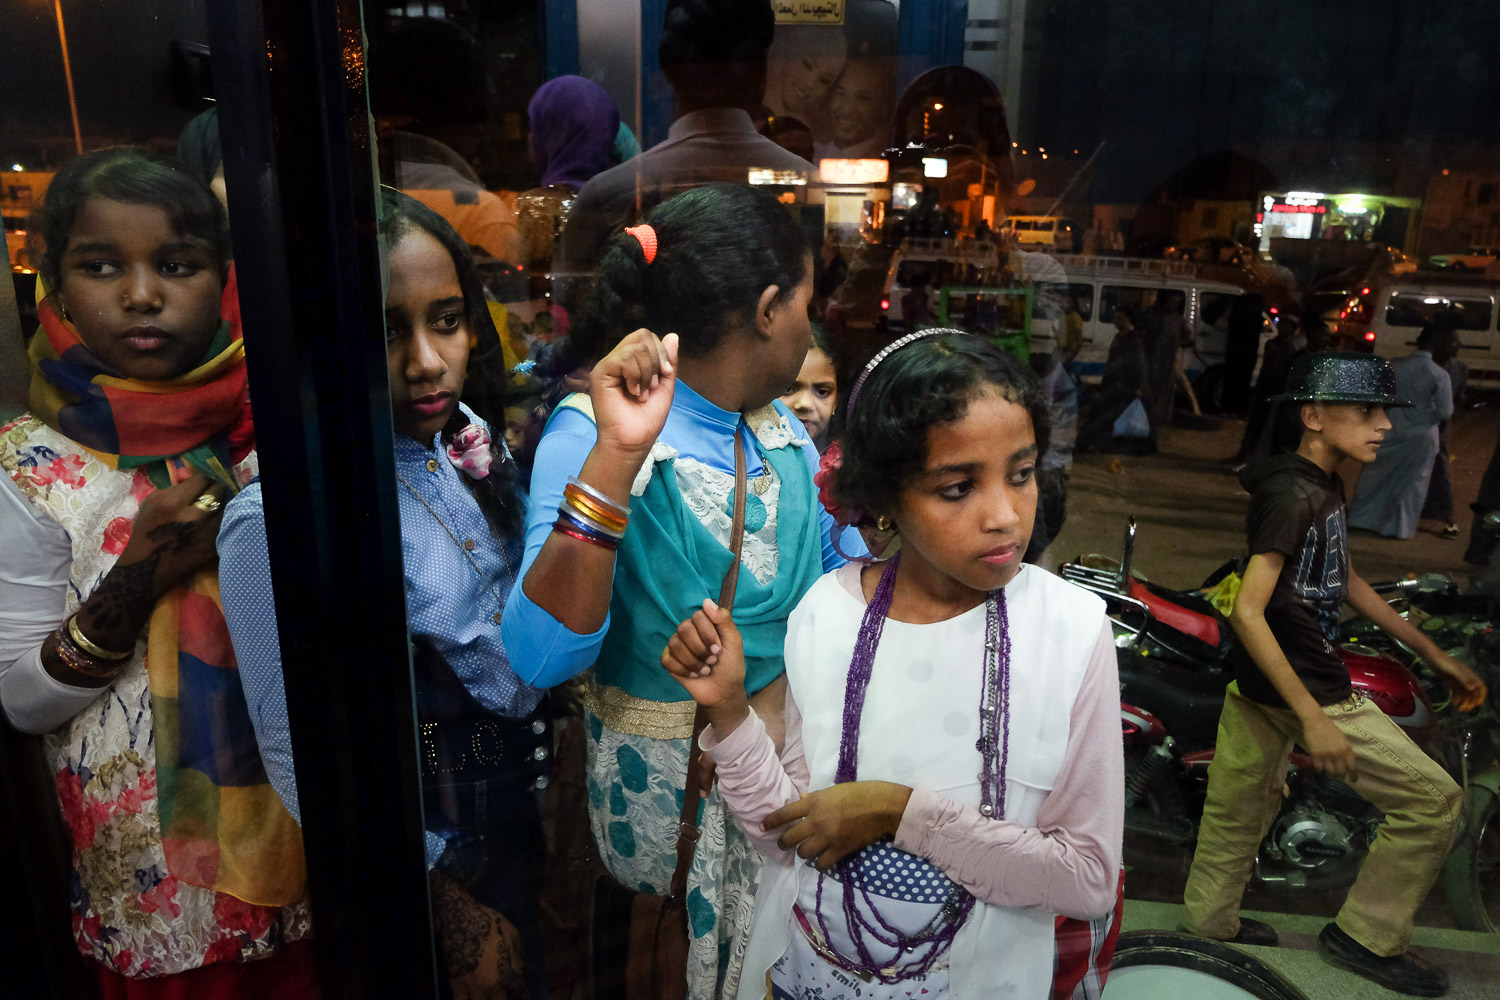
[
  {"x": 199, "y": 421},
  {"x": 223, "y": 826}
]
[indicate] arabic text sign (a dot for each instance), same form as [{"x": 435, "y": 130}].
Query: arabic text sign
[{"x": 808, "y": 11}]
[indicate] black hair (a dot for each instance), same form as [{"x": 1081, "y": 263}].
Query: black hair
[
  {"x": 1287, "y": 426},
  {"x": 134, "y": 176},
  {"x": 779, "y": 125},
  {"x": 713, "y": 52},
  {"x": 823, "y": 340},
  {"x": 1437, "y": 329},
  {"x": 924, "y": 385},
  {"x": 718, "y": 248},
  {"x": 499, "y": 493},
  {"x": 1129, "y": 312}
]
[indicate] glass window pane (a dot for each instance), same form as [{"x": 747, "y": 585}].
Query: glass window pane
[
  {"x": 770, "y": 195},
  {"x": 122, "y": 313},
  {"x": 1419, "y": 308}
]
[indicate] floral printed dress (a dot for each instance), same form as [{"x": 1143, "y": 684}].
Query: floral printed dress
[
  {"x": 129, "y": 912},
  {"x": 636, "y": 781}
]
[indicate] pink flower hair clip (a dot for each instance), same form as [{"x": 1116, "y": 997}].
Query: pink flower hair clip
[{"x": 828, "y": 467}]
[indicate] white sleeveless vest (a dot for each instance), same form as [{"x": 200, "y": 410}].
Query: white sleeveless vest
[{"x": 920, "y": 726}]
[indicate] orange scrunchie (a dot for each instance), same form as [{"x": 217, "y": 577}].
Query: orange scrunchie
[{"x": 647, "y": 238}]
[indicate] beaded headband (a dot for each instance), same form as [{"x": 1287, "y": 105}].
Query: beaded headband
[
  {"x": 886, "y": 352},
  {"x": 646, "y": 236}
]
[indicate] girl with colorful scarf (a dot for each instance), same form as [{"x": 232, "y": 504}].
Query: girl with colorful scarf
[{"x": 189, "y": 876}]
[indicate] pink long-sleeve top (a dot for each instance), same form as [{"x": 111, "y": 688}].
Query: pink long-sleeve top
[{"x": 1067, "y": 863}]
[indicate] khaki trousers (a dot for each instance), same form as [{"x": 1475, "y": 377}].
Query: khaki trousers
[{"x": 1420, "y": 801}]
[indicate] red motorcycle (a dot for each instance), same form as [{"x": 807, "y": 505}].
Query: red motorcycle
[{"x": 1173, "y": 647}]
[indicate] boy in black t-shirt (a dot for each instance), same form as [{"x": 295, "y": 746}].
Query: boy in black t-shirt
[{"x": 1291, "y": 687}]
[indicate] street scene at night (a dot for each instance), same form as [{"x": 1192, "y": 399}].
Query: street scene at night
[{"x": 567, "y": 499}]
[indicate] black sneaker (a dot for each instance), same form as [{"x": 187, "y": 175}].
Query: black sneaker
[
  {"x": 1404, "y": 973},
  {"x": 1250, "y": 932}
]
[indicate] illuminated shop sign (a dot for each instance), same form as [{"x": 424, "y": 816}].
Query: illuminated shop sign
[
  {"x": 1282, "y": 208},
  {"x": 832, "y": 171}
]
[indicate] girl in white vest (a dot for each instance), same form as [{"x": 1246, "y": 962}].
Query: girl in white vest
[{"x": 951, "y": 780}]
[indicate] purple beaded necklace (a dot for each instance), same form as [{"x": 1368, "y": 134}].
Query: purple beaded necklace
[{"x": 994, "y": 750}]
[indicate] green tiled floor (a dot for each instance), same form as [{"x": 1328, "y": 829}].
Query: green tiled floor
[{"x": 1472, "y": 960}]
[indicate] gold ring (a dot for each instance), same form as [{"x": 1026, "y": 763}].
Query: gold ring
[{"x": 207, "y": 503}]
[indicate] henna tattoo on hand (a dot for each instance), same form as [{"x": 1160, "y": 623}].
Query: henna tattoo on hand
[
  {"x": 509, "y": 975},
  {"x": 462, "y": 928},
  {"x": 122, "y": 604}
]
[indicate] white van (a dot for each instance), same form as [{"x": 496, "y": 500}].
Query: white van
[
  {"x": 928, "y": 264},
  {"x": 1388, "y": 315},
  {"x": 1097, "y": 286},
  {"x": 1044, "y": 231}
]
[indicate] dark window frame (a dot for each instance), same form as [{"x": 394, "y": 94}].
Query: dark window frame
[{"x": 297, "y": 149}]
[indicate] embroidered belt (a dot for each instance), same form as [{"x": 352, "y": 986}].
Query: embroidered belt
[
  {"x": 625, "y": 713},
  {"x": 488, "y": 747}
]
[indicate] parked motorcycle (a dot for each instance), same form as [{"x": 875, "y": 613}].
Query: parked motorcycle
[
  {"x": 1173, "y": 647},
  {"x": 1468, "y": 744}
]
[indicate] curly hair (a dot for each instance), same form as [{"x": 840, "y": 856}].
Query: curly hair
[
  {"x": 924, "y": 385},
  {"x": 719, "y": 247}
]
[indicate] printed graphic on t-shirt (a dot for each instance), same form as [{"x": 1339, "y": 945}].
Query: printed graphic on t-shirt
[
  {"x": 1322, "y": 579},
  {"x": 1297, "y": 511}
]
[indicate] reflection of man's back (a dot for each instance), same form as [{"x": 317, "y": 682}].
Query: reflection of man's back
[
  {"x": 714, "y": 57},
  {"x": 703, "y": 147}
]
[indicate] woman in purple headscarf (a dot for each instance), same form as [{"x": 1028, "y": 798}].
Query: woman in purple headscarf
[{"x": 574, "y": 124}]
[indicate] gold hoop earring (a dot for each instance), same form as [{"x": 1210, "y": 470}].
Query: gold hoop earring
[{"x": 883, "y": 523}]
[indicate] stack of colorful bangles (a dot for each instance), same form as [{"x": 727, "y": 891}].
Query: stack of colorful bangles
[{"x": 590, "y": 516}]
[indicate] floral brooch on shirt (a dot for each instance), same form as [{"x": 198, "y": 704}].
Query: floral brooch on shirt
[{"x": 470, "y": 452}]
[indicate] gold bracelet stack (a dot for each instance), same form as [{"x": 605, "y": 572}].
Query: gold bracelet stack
[{"x": 84, "y": 657}]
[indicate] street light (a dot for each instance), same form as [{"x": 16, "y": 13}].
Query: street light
[{"x": 62, "y": 40}]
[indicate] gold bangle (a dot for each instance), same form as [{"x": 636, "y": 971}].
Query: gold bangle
[
  {"x": 98, "y": 652},
  {"x": 82, "y": 663},
  {"x": 598, "y": 495}
]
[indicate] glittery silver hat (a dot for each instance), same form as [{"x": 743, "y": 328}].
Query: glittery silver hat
[{"x": 1341, "y": 377}]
